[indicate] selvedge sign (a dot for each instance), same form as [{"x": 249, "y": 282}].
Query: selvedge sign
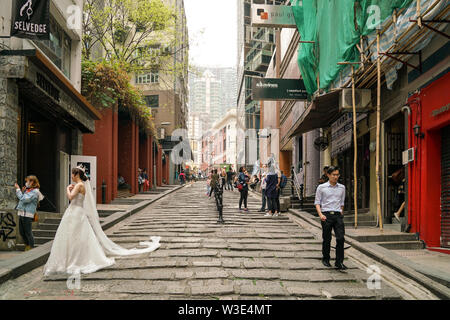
[
  {"x": 31, "y": 19},
  {"x": 278, "y": 89}
]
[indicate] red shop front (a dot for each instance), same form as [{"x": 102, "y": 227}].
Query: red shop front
[{"x": 429, "y": 173}]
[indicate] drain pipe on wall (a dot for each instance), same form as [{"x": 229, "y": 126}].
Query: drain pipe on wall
[{"x": 406, "y": 112}]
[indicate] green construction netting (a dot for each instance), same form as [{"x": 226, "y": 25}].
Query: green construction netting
[{"x": 335, "y": 26}]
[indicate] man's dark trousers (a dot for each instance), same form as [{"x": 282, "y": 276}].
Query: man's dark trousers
[
  {"x": 336, "y": 222},
  {"x": 263, "y": 195}
]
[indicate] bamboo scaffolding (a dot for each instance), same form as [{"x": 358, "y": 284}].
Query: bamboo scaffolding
[
  {"x": 418, "y": 37},
  {"x": 355, "y": 143},
  {"x": 373, "y": 42},
  {"x": 369, "y": 74}
]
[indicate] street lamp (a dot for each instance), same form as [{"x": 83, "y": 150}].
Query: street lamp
[{"x": 417, "y": 132}]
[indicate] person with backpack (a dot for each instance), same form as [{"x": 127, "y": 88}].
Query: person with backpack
[
  {"x": 29, "y": 198},
  {"x": 182, "y": 177}
]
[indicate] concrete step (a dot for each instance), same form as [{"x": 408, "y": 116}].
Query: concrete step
[
  {"x": 386, "y": 237},
  {"x": 52, "y": 220},
  {"x": 361, "y": 223},
  {"x": 44, "y": 233},
  {"x": 42, "y": 240},
  {"x": 402, "y": 245},
  {"x": 126, "y": 201},
  {"x": 48, "y": 226},
  {"x": 361, "y": 218},
  {"x": 104, "y": 214}
]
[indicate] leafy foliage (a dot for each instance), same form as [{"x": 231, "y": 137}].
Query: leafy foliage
[{"x": 106, "y": 84}]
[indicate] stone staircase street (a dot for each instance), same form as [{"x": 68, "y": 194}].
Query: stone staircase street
[{"x": 248, "y": 257}]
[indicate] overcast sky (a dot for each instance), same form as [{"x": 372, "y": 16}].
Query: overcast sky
[{"x": 212, "y": 28}]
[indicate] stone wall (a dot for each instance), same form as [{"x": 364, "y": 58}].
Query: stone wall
[{"x": 9, "y": 111}]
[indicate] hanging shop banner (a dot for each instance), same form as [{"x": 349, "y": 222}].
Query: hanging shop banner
[
  {"x": 342, "y": 132},
  {"x": 278, "y": 89},
  {"x": 31, "y": 19},
  {"x": 272, "y": 16}
]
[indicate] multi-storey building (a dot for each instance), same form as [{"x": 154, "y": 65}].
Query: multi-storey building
[
  {"x": 255, "y": 50},
  {"x": 166, "y": 93},
  {"x": 42, "y": 114},
  {"x": 411, "y": 112}
]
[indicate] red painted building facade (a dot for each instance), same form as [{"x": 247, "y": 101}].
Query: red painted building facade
[
  {"x": 121, "y": 149},
  {"x": 429, "y": 173}
]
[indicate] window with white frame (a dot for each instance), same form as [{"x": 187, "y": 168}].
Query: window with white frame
[{"x": 148, "y": 77}]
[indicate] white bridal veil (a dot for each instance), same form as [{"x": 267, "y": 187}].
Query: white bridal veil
[{"x": 109, "y": 246}]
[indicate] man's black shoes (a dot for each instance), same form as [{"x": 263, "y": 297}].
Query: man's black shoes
[
  {"x": 326, "y": 263},
  {"x": 340, "y": 266}
]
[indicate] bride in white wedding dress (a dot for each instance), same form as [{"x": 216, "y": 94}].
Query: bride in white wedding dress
[{"x": 80, "y": 245}]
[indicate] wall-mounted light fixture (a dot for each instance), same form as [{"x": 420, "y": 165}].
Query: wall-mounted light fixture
[{"x": 417, "y": 132}]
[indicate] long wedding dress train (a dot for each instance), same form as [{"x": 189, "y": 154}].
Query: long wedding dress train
[{"x": 81, "y": 246}]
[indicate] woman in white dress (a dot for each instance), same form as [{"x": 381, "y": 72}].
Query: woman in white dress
[{"x": 80, "y": 245}]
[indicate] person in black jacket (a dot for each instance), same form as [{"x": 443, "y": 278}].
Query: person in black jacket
[{"x": 243, "y": 181}]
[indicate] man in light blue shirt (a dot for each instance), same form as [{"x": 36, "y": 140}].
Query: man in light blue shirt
[{"x": 329, "y": 202}]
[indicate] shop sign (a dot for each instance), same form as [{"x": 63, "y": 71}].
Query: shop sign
[
  {"x": 31, "y": 19},
  {"x": 443, "y": 109},
  {"x": 45, "y": 85},
  {"x": 273, "y": 16},
  {"x": 342, "y": 132},
  {"x": 278, "y": 89}
]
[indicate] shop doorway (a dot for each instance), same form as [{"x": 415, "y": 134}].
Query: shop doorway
[
  {"x": 345, "y": 163},
  {"x": 42, "y": 137},
  {"x": 395, "y": 145},
  {"x": 37, "y": 154}
]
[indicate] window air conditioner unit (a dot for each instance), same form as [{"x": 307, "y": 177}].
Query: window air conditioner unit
[
  {"x": 408, "y": 156},
  {"x": 362, "y": 100}
]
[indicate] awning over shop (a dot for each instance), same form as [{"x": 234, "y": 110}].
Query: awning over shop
[
  {"x": 56, "y": 75},
  {"x": 44, "y": 84},
  {"x": 319, "y": 114}
]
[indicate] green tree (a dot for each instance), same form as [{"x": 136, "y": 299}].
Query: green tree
[{"x": 137, "y": 34}]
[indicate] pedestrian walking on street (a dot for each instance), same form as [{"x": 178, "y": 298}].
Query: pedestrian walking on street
[
  {"x": 140, "y": 179},
  {"x": 223, "y": 177},
  {"x": 243, "y": 188},
  {"x": 146, "y": 180},
  {"x": 272, "y": 192},
  {"x": 329, "y": 202},
  {"x": 263, "y": 192},
  {"x": 29, "y": 198},
  {"x": 229, "y": 185},
  {"x": 182, "y": 177},
  {"x": 324, "y": 177},
  {"x": 214, "y": 181}
]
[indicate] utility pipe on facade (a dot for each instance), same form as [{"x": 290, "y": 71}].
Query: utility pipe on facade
[
  {"x": 377, "y": 158},
  {"x": 355, "y": 150}
]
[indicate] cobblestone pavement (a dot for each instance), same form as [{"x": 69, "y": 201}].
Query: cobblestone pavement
[{"x": 250, "y": 257}]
